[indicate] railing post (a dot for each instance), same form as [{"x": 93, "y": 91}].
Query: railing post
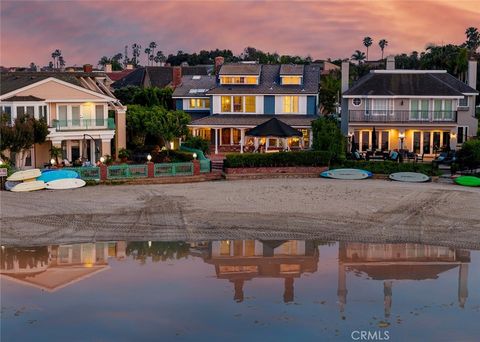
[
  {"x": 150, "y": 170},
  {"x": 196, "y": 167},
  {"x": 103, "y": 172}
]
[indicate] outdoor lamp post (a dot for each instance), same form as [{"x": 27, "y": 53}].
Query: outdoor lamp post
[
  {"x": 194, "y": 156},
  {"x": 52, "y": 161},
  {"x": 102, "y": 159},
  {"x": 149, "y": 157},
  {"x": 401, "y": 136}
]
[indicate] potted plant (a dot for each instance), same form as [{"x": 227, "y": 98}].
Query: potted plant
[
  {"x": 55, "y": 153},
  {"x": 124, "y": 155}
]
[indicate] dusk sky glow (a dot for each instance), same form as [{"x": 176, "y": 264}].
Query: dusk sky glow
[{"x": 87, "y": 30}]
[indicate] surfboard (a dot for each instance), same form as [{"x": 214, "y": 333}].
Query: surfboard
[
  {"x": 29, "y": 186},
  {"x": 10, "y": 184},
  {"x": 350, "y": 174},
  {"x": 25, "y": 175},
  {"x": 65, "y": 183},
  {"x": 57, "y": 174},
  {"x": 414, "y": 177},
  {"x": 468, "y": 181}
]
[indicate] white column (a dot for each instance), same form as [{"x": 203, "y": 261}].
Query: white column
[
  {"x": 255, "y": 140},
  {"x": 216, "y": 140},
  {"x": 267, "y": 140},
  {"x": 242, "y": 139},
  {"x": 231, "y": 136},
  {"x": 310, "y": 138},
  {"x": 92, "y": 151}
]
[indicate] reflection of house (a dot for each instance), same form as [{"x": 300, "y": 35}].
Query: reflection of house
[
  {"x": 243, "y": 260},
  {"x": 397, "y": 262},
  {"x": 53, "y": 267}
]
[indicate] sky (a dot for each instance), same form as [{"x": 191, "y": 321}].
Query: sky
[{"x": 86, "y": 30}]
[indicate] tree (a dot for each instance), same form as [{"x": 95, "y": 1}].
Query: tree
[
  {"x": 136, "y": 120},
  {"x": 21, "y": 136},
  {"x": 473, "y": 39},
  {"x": 159, "y": 57},
  {"x": 115, "y": 61},
  {"x": 32, "y": 67},
  {"x": 147, "y": 52},
  {"x": 469, "y": 154},
  {"x": 136, "y": 48},
  {"x": 367, "y": 41},
  {"x": 152, "y": 47},
  {"x": 173, "y": 124},
  {"x": 358, "y": 56},
  {"x": 329, "y": 93},
  {"x": 327, "y": 136},
  {"x": 383, "y": 43}
]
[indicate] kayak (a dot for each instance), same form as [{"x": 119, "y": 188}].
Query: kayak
[
  {"x": 414, "y": 177},
  {"x": 468, "y": 181}
]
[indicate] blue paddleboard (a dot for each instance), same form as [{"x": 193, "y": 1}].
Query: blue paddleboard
[
  {"x": 350, "y": 174},
  {"x": 57, "y": 174}
]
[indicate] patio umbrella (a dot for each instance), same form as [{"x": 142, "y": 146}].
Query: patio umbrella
[
  {"x": 274, "y": 128},
  {"x": 374, "y": 139},
  {"x": 353, "y": 147}
]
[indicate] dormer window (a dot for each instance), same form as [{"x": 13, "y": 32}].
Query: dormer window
[
  {"x": 239, "y": 80},
  {"x": 288, "y": 80}
]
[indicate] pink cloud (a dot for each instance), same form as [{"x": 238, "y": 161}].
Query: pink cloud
[{"x": 85, "y": 31}]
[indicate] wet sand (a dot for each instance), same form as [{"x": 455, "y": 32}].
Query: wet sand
[{"x": 368, "y": 211}]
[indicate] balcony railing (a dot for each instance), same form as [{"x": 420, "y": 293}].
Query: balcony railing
[
  {"x": 403, "y": 116},
  {"x": 83, "y": 124}
]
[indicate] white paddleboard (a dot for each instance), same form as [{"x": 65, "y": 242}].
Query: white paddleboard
[
  {"x": 414, "y": 177},
  {"x": 25, "y": 175},
  {"x": 10, "y": 184},
  {"x": 350, "y": 174},
  {"x": 29, "y": 186},
  {"x": 65, "y": 183}
]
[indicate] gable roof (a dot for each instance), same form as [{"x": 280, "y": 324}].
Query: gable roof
[
  {"x": 273, "y": 128},
  {"x": 29, "y": 98},
  {"x": 269, "y": 83},
  {"x": 156, "y": 76},
  {"x": 116, "y": 75},
  {"x": 252, "y": 120},
  {"x": 405, "y": 83},
  {"x": 291, "y": 69},
  {"x": 240, "y": 69},
  {"x": 194, "y": 86}
]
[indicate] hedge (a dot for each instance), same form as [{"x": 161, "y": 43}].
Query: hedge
[
  {"x": 280, "y": 159},
  {"x": 388, "y": 167}
]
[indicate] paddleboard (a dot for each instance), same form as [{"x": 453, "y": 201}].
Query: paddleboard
[
  {"x": 29, "y": 186},
  {"x": 10, "y": 184},
  {"x": 65, "y": 183},
  {"x": 57, "y": 174},
  {"x": 468, "y": 181},
  {"x": 415, "y": 177},
  {"x": 25, "y": 175},
  {"x": 350, "y": 174}
]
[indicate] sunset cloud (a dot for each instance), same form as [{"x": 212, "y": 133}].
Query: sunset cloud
[{"x": 87, "y": 30}]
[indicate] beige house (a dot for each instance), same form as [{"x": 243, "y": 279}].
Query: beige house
[
  {"x": 421, "y": 111},
  {"x": 76, "y": 106}
]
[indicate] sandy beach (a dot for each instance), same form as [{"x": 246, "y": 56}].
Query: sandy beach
[{"x": 370, "y": 211}]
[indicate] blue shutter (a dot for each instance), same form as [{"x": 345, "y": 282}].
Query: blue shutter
[
  {"x": 311, "y": 105},
  {"x": 179, "y": 104},
  {"x": 269, "y": 104}
]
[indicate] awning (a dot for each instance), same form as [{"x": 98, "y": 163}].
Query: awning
[{"x": 273, "y": 128}]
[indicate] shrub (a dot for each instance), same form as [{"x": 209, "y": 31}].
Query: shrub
[
  {"x": 469, "y": 155},
  {"x": 197, "y": 142},
  {"x": 388, "y": 167},
  {"x": 304, "y": 158},
  {"x": 171, "y": 156},
  {"x": 8, "y": 167},
  {"x": 124, "y": 153}
]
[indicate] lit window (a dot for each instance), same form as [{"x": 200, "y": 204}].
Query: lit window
[
  {"x": 238, "y": 80},
  {"x": 226, "y": 104},
  {"x": 250, "y": 104},
  {"x": 199, "y": 103},
  {"x": 357, "y": 102},
  {"x": 250, "y": 80},
  {"x": 238, "y": 104},
  {"x": 291, "y": 80},
  {"x": 290, "y": 104}
]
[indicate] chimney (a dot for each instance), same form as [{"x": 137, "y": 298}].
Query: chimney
[
  {"x": 87, "y": 68},
  {"x": 344, "y": 101},
  {"x": 107, "y": 68},
  {"x": 472, "y": 74},
  {"x": 390, "y": 62},
  {"x": 219, "y": 60},
  {"x": 129, "y": 66},
  {"x": 177, "y": 76}
]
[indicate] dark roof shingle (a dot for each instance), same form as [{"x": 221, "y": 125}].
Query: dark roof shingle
[
  {"x": 240, "y": 69},
  {"x": 252, "y": 120},
  {"x": 291, "y": 69},
  {"x": 191, "y": 86}
]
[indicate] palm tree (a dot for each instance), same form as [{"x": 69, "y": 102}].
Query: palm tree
[
  {"x": 147, "y": 52},
  {"x": 159, "y": 57},
  {"x": 152, "y": 47},
  {"x": 383, "y": 43},
  {"x": 473, "y": 39},
  {"x": 367, "y": 41},
  {"x": 56, "y": 55},
  {"x": 136, "y": 48},
  {"x": 358, "y": 56}
]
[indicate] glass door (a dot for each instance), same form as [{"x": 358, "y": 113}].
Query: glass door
[
  {"x": 427, "y": 148},
  {"x": 416, "y": 142}
]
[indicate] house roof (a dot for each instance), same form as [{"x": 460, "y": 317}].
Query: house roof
[
  {"x": 252, "y": 120},
  {"x": 405, "y": 83},
  {"x": 156, "y": 76},
  {"x": 240, "y": 69},
  {"x": 291, "y": 69},
  {"x": 116, "y": 75},
  {"x": 269, "y": 83},
  {"x": 274, "y": 128},
  {"x": 402, "y": 272},
  {"x": 194, "y": 86},
  {"x": 28, "y": 98}
]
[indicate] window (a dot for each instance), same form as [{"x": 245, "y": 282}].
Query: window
[
  {"x": 357, "y": 102},
  {"x": 99, "y": 116},
  {"x": 42, "y": 112},
  {"x": 20, "y": 112},
  {"x": 291, "y": 80},
  {"x": 75, "y": 115},
  {"x": 239, "y": 80},
  {"x": 31, "y": 111},
  {"x": 384, "y": 135},
  {"x": 365, "y": 140},
  {"x": 199, "y": 103},
  {"x": 7, "y": 113},
  {"x": 462, "y": 134},
  {"x": 250, "y": 104},
  {"x": 238, "y": 104},
  {"x": 463, "y": 102},
  {"x": 290, "y": 104},
  {"x": 226, "y": 104},
  {"x": 418, "y": 109}
]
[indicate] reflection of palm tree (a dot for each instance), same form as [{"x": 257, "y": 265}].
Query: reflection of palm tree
[
  {"x": 358, "y": 56},
  {"x": 158, "y": 250},
  {"x": 367, "y": 41},
  {"x": 383, "y": 43}
]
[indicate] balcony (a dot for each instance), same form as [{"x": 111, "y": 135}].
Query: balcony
[
  {"x": 403, "y": 116},
  {"x": 83, "y": 124}
]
